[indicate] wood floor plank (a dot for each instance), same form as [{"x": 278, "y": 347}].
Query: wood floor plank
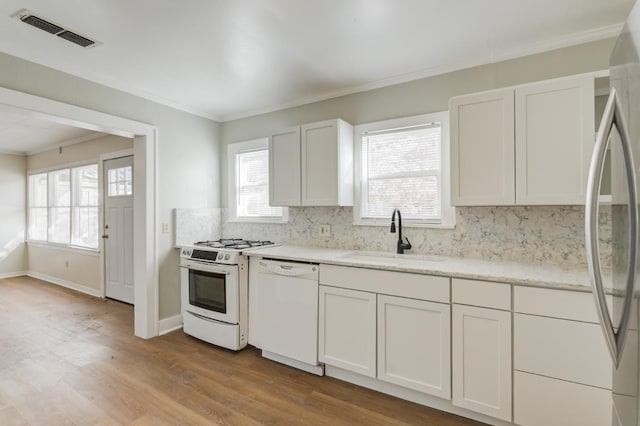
[{"x": 69, "y": 358}]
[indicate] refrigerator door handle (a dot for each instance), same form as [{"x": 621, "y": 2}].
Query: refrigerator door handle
[{"x": 612, "y": 116}]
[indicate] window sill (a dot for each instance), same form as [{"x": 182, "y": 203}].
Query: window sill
[
  {"x": 72, "y": 249},
  {"x": 405, "y": 224}
]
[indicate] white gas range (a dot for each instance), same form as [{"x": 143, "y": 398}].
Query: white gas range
[{"x": 214, "y": 290}]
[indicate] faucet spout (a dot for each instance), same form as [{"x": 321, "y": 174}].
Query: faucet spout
[{"x": 401, "y": 246}]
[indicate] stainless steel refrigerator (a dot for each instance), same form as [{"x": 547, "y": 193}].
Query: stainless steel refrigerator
[{"x": 612, "y": 234}]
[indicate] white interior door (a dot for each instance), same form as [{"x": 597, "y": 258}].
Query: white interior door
[{"x": 118, "y": 228}]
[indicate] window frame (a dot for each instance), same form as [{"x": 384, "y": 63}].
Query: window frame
[
  {"x": 48, "y": 171},
  {"x": 447, "y": 213},
  {"x": 233, "y": 149}
]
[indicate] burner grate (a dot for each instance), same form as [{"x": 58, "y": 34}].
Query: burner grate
[{"x": 234, "y": 243}]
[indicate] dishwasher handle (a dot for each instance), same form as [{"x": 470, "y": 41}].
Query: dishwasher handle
[{"x": 288, "y": 270}]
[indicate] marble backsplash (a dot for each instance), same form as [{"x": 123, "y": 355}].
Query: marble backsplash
[
  {"x": 536, "y": 234},
  {"x": 197, "y": 225}
]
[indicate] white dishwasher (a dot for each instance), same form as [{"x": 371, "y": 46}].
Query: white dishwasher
[{"x": 283, "y": 312}]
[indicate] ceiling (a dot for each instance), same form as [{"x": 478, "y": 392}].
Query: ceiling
[
  {"x": 229, "y": 59},
  {"x": 22, "y": 133}
]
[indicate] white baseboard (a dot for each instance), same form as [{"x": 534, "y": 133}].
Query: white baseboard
[
  {"x": 167, "y": 325},
  {"x": 409, "y": 395},
  {"x": 13, "y": 274},
  {"x": 96, "y": 292}
]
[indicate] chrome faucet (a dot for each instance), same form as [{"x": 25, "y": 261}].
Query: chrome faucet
[{"x": 402, "y": 246}]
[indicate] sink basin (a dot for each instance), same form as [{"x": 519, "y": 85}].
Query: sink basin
[{"x": 392, "y": 258}]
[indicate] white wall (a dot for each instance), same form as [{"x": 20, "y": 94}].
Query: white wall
[
  {"x": 188, "y": 151},
  {"x": 13, "y": 185}
]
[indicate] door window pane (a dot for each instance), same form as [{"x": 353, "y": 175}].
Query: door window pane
[{"x": 120, "y": 181}]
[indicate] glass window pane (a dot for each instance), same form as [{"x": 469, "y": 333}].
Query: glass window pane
[
  {"x": 401, "y": 169},
  {"x": 38, "y": 190},
  {"x": 60, "y": 225},
  {"x": 60, "y": 188},
  {"x": 38, "y": 223},
  {"x": 85, "y": 227},
  {"x": 252, "y": 185},
  {"x": 417, "y": 198}
]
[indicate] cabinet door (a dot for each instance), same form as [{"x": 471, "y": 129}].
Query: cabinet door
[
  {"x": 554, "y": 140},
  {"x": 414, "y": 344},
  {"x": 320, "y": 164},
  {"x": 482, "y": 360},
  {"x": 347, "y": 333},
  {"x": 284, "y": 168},
  {"x": 482, "y": 149}
]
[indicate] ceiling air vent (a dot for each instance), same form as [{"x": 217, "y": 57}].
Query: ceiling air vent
[{"x": 29, "y": 18}]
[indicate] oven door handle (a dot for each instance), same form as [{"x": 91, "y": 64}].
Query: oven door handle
[{"x": 208, "y": 269}]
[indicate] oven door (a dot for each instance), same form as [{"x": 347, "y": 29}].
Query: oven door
[{"x": 210, "y": 290}]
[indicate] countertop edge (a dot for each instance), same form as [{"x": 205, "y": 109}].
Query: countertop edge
[{"x": 557, "y": 278}]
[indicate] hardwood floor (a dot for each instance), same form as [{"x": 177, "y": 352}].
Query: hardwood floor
[{"x": 71, "y": 359}]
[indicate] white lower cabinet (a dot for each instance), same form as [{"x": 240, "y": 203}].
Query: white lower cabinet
[
  {"x": 481, "y": 341},
  {"x": 347, "y": 329},
  {"x": 401, "y": 340},
  {"x": 414, "y": 344},
  {"x": 545, "y": 401},
  {"x": 482, "y": 360},
  {"x": 562, "y": 371}
]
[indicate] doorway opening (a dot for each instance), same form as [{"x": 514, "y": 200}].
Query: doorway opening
[{"x": 144, "y": 268}]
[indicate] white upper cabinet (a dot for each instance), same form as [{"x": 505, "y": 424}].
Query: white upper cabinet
[
  {"x": 528, "y": 145},
  {"x": 284, "y": 168},
  {"x": 482, "y": 149},
  {"x": 312, "y": 165},
  {"x": 554, "y": 140}
]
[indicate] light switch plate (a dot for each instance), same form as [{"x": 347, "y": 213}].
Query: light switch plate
[{"x": 165, "y": 228}]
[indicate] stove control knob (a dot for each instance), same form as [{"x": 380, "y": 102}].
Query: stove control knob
[
  {"x": 226, "y": 257},
  {"x": 219, "y": 256}
]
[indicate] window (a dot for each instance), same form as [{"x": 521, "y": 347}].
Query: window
[
  {"x": 63, "y": 206},
  {"x": 249, "y": 183},
  {"x": 403, "y": 164},
  {"x": 120, "y": 181}
]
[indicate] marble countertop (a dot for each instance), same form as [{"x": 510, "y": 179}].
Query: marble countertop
[{"x": 539, "y": 275}]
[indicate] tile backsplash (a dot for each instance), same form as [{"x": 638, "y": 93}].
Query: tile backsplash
[{"x": 537, "y": 234}]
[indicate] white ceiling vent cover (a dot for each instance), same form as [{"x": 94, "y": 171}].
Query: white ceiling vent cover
[{"x": 46, "y": 25}]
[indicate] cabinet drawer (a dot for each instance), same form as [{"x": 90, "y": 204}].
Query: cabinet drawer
[
  {"x": 481, "y": 293},
  {"x": 415, "y": 286},
  {"x": 571, "y": 305},
  {"x": 567, "y": 350},
  {"x": 555, "y": 303},
  {"x": 543, "y": 401}
]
